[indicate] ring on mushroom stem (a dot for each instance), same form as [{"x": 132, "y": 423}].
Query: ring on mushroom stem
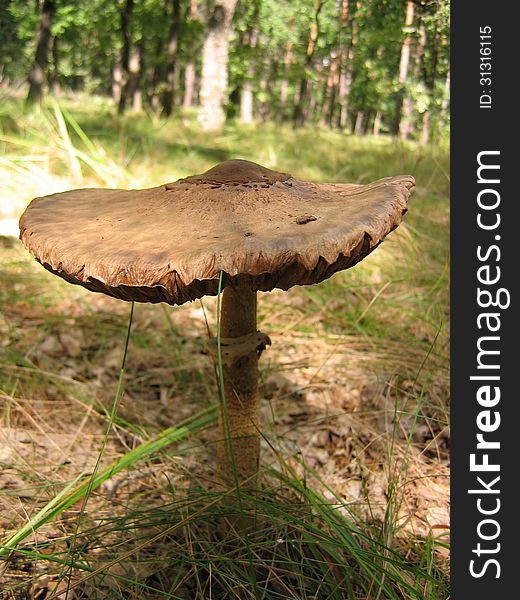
[{"x": 261, "y": 228}]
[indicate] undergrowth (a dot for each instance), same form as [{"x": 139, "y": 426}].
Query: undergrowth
[{"x": 105, "y": 503}]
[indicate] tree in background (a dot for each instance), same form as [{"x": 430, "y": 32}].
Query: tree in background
[
  {"x": 361, "y": 66},
  {"x": 215, "y": 55},
  {"x": 248, "y": 66},
  {"x": 37, "y": 75},
  {"x": 190, "y": 73},
  {"x": 171, "y": 55},
  {"x": 435, "y": 70},
  {"x": 301, "y": 107},
  {"x": 402, "y": 101},
  {"x": 126, "y": 15},
  {"x": 346, "y": 55}
]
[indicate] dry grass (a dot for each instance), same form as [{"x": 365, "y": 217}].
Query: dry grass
[{"x": 354, "y": 388}]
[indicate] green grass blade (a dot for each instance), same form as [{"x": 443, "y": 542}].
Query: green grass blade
[{"x": 74, "y": 493}]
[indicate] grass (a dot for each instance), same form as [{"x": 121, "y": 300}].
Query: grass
[{"x": 101, "y": 503}]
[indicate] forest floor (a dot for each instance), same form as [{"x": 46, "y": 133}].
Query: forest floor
[{"x": 354, "y": 389}]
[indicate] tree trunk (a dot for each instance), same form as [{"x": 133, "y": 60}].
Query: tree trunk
[
  {"x": 263, "y": 105},
  {"x": 359, "y": 126},
  {"x": 300, "y": 109},
  {"x": 444, "y": 106},
  {"x": 312, "y": 102},
  {"x": 189, "y": 71},
  {"x": 328, "y": 95},
  {"x": 425, "y": 131},
  {"x": 284, "y": 88},
  {"x": 54, "y": 75},
  {"x": 406, "y": 125},
  {"x": 132, "y": 89},
  {"x": 189, "y": 84},
  {"x": 377, "y": 123},
  {"x": 246, "y": 102},
  {"x": 246, "y": 95},
  {"x": 126, "y": 15},
  {"x": 171, "y": 54},
  {"x": 117, "y": 80},
  {"x": 136, "y": 75},
  {"x": 430, "y": 77},
  {"x": 333, "y": 119},
  {"x": 214, "y": 77},
  {"x": 37, "y": 75},
  {"x": 407, "y": 122},
  {"x": 345, "y": 59},
  {"x": 403, "y": 68},
  {"x": 268, "y": 77},
  {"x": 156, "y": 77}
]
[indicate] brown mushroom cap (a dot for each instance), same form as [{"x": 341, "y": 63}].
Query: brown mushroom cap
[{"x": 169, "y": 243}]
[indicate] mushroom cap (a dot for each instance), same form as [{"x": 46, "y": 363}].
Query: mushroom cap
[{"x": 169, "y": 243}]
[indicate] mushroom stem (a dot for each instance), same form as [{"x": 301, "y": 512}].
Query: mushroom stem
[{"x": 238, "y": 448}]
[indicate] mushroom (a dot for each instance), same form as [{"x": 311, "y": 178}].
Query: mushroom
[{"x": 250, "y": 228}]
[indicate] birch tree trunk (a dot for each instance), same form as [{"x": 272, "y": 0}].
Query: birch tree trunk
[
  {"x": 377, "y": 123},
  {"x": 189, "y": 85},
  {"x": 403, "y": 69},
  {"x": 214, "y": 77},
  {"x": 407, "y": 123},
  {"x": 246, "y": 102},
  {"x": 117, "y": 79},
  {"x": 359, "y": 128},
  {"x": 136, "y": 75},
  {"x": 246, "y": 94},
  {"x": 430, "y": 71}
]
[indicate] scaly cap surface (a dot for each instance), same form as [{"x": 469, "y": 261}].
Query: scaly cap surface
[{"x": 169, "y": 243}]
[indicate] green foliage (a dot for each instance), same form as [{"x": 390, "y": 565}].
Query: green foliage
[
  {"x": 18, "y": 21},
  {"x": 265, "y": 33}
]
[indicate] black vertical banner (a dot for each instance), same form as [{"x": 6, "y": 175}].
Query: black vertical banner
[{"x": 485, "y": 244}]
